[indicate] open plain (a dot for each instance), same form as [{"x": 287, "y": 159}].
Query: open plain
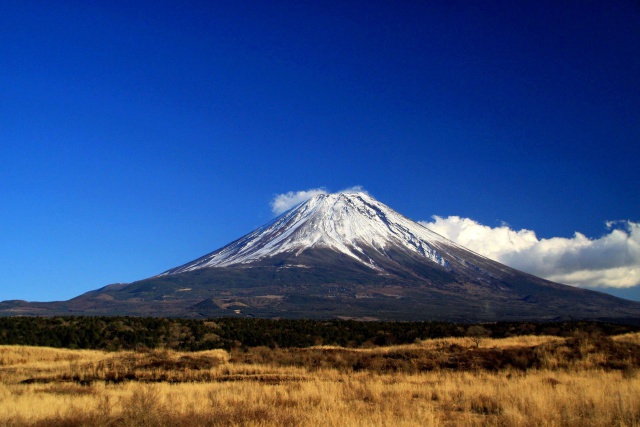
[{"x": 518, "y": 381}]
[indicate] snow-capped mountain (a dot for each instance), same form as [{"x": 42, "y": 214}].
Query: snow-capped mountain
[
  {"x": 353, "y": 224},
  {"x": 343, "y": 255}
]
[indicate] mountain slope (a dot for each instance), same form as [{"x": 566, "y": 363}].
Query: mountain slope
[{"x": 344, "y": 255}]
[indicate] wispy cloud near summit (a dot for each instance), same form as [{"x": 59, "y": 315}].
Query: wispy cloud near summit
[{"x": 283, "y": 202}]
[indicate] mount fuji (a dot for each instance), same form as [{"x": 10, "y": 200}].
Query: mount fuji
[{"x": 343, "y": 255}]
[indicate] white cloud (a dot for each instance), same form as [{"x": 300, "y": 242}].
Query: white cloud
[
  {"x": 283, "y": 202},
  {"x": 612, "y": 260}
]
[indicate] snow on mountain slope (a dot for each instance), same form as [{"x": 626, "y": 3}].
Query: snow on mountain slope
[{"x": 350, "y": 223}]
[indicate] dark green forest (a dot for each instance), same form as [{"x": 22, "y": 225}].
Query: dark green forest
[{"x": 130, "y": 333}]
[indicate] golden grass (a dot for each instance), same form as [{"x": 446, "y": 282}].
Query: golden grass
[
  {"x": 24, "y": 355},
  {"x": 438, "y": 343},
  {"x": 50, "y": 387},
  {"x": 631, "y": 337}
]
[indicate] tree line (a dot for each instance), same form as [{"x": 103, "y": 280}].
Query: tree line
[{"x": 130, "y": 333}]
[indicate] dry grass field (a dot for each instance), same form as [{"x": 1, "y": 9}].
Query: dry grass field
[{"x": 521, "y": 381}]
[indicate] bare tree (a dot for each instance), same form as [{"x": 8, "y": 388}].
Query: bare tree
[{"x": 477, "y": 333}]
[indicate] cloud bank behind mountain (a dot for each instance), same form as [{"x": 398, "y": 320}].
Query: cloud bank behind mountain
[{"x": 612, "y": 260}]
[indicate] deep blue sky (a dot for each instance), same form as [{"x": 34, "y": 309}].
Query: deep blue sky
[{"x": 136, "y": 136}]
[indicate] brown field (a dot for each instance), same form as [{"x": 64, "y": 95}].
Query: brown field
[{"x": 520, "y": 381}]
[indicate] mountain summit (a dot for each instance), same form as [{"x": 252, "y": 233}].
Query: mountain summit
[
  {"x": 344, "y": 255},
  {"x": 353, "y": 224}
]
